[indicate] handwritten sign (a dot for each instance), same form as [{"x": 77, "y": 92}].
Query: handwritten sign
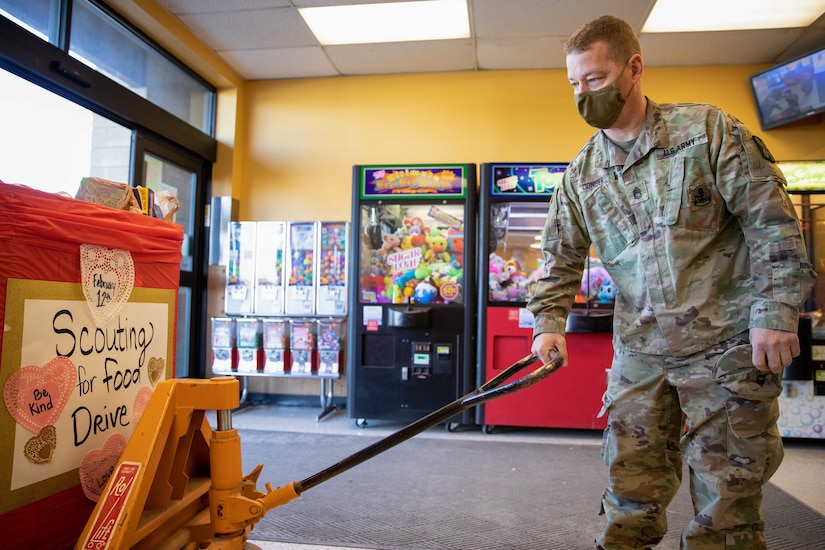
[{"x": 87, "y": 383}]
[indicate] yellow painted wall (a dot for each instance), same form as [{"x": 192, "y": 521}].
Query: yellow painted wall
[{"x": 305, "y": 135}]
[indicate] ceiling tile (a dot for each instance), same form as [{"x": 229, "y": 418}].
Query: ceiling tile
[
  {"x": 534, "y": 18},
  {"x": 213, "y": 6},
  {"x": 520, "y": 53},
  {"x": 403, "y": 57},
  {"x": 280, "y": 63},
  {"x": 715, "y": 48},
  {"x": 252, "y": 29}
]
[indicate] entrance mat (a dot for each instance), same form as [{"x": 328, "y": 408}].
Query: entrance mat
[{"x": 440, "y": 493}]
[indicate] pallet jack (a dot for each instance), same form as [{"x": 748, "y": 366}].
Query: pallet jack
[{"x": 178, "y": 484}]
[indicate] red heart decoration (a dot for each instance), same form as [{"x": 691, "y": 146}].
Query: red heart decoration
[
  {"x": 97, "y": 466},
  {"x": 35, "y": 396},
  {"x": 140, "y": 404}
]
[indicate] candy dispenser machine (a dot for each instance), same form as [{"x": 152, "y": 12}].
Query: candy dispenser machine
[
  {"x": 302, "y": 346},
  {"x": 276, "y": 345},
  {"x": 300, "y": 286},
  {"x": 333, "y": 243},
  {"x": 514, "y": 201},
  {"x": 269, "y": 268},
  {"x": 412, "y": 292},
  {"x": 330, "y": 346},
  {"x": 249, "y": 343},
  {"x": 240, "y": 270},
  {"x": 224, "y": 351}
]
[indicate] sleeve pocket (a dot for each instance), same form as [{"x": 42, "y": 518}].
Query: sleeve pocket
[{"x": 786, "y": 272}]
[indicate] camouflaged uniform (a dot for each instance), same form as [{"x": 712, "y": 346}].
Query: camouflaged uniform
[{"x": 702, "y": 242}]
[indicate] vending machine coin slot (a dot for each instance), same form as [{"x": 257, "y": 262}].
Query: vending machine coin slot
[{"x": 421, "y": 359}]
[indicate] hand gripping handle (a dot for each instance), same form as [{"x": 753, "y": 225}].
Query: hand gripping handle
[{"x": 487, "y": 391}]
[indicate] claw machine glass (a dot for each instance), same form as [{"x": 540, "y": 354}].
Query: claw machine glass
[
  {"x": 411, "y": 324},
  {"x": 514, "y": 200}
]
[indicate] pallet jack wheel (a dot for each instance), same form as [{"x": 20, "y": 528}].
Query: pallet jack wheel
[
  {"x": 452, "y": 426},
  {"x": 360, "y": 422},
  {"x": 488, "y": 428}
]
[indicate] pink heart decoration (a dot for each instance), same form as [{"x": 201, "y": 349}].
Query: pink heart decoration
[
  {"x": 35, "y": 396},
  {"x": 97, "y": 466},
  {"x": 140, "y": 404}
]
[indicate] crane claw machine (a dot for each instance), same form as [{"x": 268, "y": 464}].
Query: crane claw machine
[
  {"x": 513, "y": 205},
  {"x": 411, "y": 321}
]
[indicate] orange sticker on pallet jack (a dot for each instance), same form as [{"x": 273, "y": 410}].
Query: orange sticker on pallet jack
[{"x": 111, "y": 509}]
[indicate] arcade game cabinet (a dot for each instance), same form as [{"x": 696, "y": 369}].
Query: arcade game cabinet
[
  {"x": 514, "y": 200},
  {"x": 411, "y": 321}
]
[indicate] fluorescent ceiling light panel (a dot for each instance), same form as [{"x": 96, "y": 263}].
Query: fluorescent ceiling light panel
[
  {"x": 388, "y": 22},
  {"x": 725, "y": 15}
]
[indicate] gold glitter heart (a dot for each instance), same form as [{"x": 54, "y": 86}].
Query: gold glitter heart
[
  {"x": 40, "y": 448},
  {"x": 156, "y": 368}
]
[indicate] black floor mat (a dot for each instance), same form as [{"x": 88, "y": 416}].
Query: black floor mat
[{"x": 436, "y": 493}]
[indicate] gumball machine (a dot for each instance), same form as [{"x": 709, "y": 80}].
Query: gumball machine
[
  {"x": 330, "y": 346},
  {"x": 302, "y": 346},
  {"x": 224, "y": 350},
  {"x": 276, "y": 345},
  {"x": 300, "y": 289},
  {"x": 332, "y": 277}
]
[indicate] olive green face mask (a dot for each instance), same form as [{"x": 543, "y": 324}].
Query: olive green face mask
[{"x": 601, "y": 108}]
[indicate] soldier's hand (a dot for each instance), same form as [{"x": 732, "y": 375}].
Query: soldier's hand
[
  {"x": 773, "y": 350},
  {"x": 546, "y": 342}
]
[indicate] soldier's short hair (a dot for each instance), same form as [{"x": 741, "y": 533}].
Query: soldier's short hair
[{"x": 619, "y": 37}]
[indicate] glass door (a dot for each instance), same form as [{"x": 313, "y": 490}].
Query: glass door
[{"x": 184, "y": 175}]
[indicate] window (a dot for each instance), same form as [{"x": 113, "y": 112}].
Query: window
[
  {"x": 50, "y": 143},
  {"x": 103, "y": 43},
  {"x": 36, "y": 16},
  {"x": 100, "y": 40}
]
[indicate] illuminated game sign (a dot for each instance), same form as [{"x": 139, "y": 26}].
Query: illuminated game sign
[{"x": 444, "y": 181}]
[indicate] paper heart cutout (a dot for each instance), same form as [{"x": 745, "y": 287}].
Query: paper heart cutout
[
  {"x": 156, "y": 369},
  {"x": 107, "y": 278},
  {"x": 40, "y": 448},
  {"x": 35, "y": 396},
  {"x": 140, "y": 403},
  {"x": 97, "y": 466}
]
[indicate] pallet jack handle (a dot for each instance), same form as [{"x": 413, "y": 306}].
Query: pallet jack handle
[
  {"x": 487, "y": 391},
  {"x": 178, "y": 483}
]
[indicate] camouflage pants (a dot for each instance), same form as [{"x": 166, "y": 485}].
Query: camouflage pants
[{"x": 713, "y": 410}]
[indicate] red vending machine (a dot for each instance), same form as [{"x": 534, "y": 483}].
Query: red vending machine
[
  {"x": 514, "y": 200},
  {"x": 411, "y": 321}
]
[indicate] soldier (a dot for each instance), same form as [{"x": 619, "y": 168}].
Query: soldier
[{"x": 687, "y": 210}]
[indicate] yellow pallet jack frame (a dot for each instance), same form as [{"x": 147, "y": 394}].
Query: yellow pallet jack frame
[{"x": 178, "y": 484}]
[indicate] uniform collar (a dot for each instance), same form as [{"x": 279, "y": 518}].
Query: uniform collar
[{"x": 653, "y": 135}]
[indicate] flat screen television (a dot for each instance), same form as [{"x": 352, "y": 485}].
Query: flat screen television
[{"x": 791, "y": 91}]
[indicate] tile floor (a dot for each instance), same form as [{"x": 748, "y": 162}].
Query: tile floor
[{"x": 800, "y": 474}]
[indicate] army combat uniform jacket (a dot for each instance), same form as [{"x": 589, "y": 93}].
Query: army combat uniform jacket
[{"x": 693, "y": 225}]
